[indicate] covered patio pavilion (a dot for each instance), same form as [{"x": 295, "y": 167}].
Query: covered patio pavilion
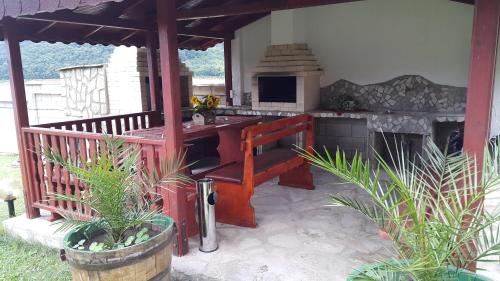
[{"x": 167, "y": 26}]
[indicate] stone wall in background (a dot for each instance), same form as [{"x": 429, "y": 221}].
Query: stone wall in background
[
  {"x": 404, "y": 93},
  {"x": 118, "y": 87},
  {"x": 86, "y": 91}
]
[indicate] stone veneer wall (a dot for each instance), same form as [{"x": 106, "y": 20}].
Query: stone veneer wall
[
  {"x": 415, "y": 104},
  {"x": 86, "y": 92},
  {"x": 126, "y": 73},
  {"x": 404, "y": 93}
]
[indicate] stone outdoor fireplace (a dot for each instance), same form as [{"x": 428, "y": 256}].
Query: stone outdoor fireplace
[
  {"x": 402, "y": 112},
  {"x": 287, "y": 79}
]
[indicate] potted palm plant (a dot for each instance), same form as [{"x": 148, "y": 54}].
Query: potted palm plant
[
  {"x": 431, "y": 208},
  {"x": 126, "y": 238}
]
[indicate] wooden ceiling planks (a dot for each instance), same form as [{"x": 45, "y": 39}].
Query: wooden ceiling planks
[
  {"x": 251, "y": 7},
  {"x": 127, "y": 22},
  {"x": 15, "y": 8}
]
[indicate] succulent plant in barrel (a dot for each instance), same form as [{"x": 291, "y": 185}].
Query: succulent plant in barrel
[
  {"x": 122, "y": 199},
  {"x": 430, "y": 207}
]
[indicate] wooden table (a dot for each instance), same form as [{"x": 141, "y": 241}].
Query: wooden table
[{"x": 228, "y": 128}]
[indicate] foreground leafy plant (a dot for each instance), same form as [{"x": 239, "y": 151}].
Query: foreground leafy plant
[
  {"x": 121, "y": 195},
  {"x": 432, "y": 210}
]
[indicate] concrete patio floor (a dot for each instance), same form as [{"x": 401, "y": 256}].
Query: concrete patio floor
[{"x": 298, "y": 237}]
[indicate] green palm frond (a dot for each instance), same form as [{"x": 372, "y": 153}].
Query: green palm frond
[
  {"x": 431, "y": 206},
  {"x": 370, "y": 211},
  {"x": 119, "y": 187},
  {"x": 488, "y": 244}
]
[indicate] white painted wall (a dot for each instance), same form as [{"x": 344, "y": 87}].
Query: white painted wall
[
  {"x": 249, "y": 45},
  {"x": 495, "y": 109},
  {"x": 237, "y": 69},
  {"x": 373, "y": 40},
  {"x": 288, "y": 27}
]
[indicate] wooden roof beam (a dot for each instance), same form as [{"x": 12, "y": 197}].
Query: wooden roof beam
[
  {"x": 94, "y": 31},
  {"x": 196, "y": 32},
  {"x": 133, "y": 33},
  {"x": 118, "y": 24},
  {"x": 45, "y": 28},
  {"x": 263, "y": 6},
  {"x": 120, "y": 8},
  {"x": 91, "y": 21},
  {"x": 184, "y": 41}
]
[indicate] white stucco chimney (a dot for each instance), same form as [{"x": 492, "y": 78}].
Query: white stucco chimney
[{"x": 288, "y": 27}]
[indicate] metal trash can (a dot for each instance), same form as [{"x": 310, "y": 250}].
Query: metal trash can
[{"x": 206, "y": 215}]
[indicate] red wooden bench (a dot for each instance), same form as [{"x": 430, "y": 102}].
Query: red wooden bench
[{"x": 235, "y": 183}]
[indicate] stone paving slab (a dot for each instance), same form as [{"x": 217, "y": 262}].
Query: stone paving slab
[{"x": 298, "y": 237}]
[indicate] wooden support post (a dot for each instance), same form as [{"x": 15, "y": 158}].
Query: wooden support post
[
  {"x": 20, "y": 107},
  {"x": 481, "y": 76},
  {"x": 228, "y": 71},
  {"x": 175, "y": 203},
  {"x": 481, "y": 82},
  {"x": 154, "y": 85}
]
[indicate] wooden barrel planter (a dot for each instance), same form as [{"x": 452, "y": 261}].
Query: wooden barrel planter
[{"x": 146, "y": 261}]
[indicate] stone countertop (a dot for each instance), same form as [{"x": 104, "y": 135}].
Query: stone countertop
[
  {"x": 432, "y": 116},
  {"x": 419, "y": 113},
  {"x": 247, "y": 110}
]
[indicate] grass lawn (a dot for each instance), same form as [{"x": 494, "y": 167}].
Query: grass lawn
[
  {"x": 19, "y": 260},
  {"x": 10, "y": 181},
  {"x": 23, "y": 261}
]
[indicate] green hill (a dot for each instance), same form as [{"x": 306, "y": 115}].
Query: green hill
[
  {"x": 207, "y": 63},
  {"x": 41, "y": 60}
]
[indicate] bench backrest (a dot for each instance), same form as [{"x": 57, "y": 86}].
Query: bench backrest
[{"x": 273, "y": 131}]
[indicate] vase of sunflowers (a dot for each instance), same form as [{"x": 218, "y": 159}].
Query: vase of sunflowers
[{"x": 204, "y": 109}]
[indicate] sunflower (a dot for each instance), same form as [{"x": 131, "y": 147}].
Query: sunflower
[
  {"x": 210, "y": 103},
  {"x": 195, "y": 101},
  {"x": 216, "y": 101}
]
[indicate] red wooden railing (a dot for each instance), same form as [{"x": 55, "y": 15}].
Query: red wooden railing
[
  {"x": 47, "y": 178},
  {"x": 115, "y": 125}
]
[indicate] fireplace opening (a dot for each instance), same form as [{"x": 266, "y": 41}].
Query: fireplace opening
[
  {"x": 387, "y": 145},
  {"x": 278, "y": 89}
]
